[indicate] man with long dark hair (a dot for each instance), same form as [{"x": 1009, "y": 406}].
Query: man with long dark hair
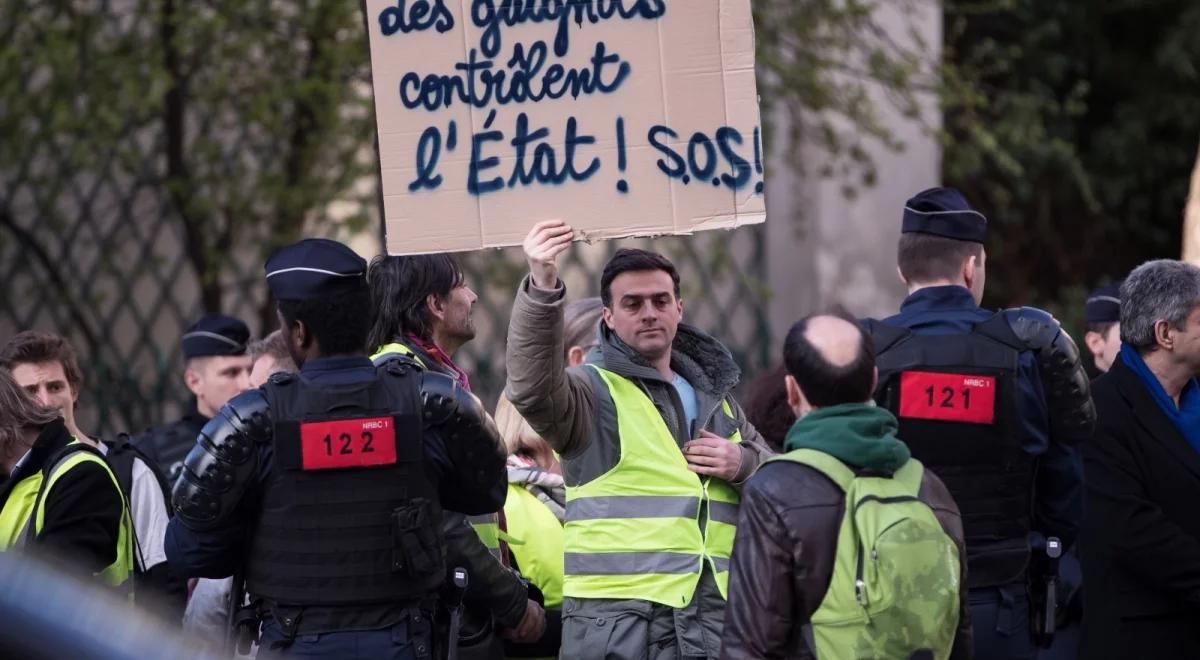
[
  {"x": 420, "y": 307},
  {"x": 421, "y": 315}
]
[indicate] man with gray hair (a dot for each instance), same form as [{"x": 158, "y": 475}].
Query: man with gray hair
[{"x": 1141, "y": 534}]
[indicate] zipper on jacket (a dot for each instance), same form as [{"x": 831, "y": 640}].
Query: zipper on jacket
[{"x": 859, "y": 594}]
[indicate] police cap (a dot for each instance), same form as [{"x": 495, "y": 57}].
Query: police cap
[
  {"x": 315, "y": 268},
  {"x": 944, "y": 212},
  {"x": 215, "y": 334},
  {"x": 1104, "y": 305}
]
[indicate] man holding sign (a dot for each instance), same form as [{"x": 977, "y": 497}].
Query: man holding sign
[{"x": 654, "y": 451}]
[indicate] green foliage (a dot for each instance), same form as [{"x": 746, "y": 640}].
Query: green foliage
[
  {"x": 1073, "y": 126},
  {"x": 254, "y": 116},
  {"x": 827, "y": 65}
]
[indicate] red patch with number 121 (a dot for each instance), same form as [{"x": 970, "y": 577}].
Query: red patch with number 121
[
  {"x": 948, "y": 397},
  {"x": 348, "y": 443}
]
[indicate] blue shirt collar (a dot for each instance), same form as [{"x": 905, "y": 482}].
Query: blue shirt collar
[
  {"x": 929, "y": 298},
  {"x": 340, "y": 363}
]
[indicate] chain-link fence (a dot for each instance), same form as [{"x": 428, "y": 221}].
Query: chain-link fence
[
  {"x": 723, "y": 285},
  {"x": 151, "y": 153}
]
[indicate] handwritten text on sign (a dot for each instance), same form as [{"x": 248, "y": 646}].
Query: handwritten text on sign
[{"x": 623, "y": 117}]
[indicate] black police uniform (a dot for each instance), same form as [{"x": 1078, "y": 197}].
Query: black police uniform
[
  {"x": 993, "y": 403},
  {"x": 328, "y": 487},
  {"x": 169, "y": 444}
]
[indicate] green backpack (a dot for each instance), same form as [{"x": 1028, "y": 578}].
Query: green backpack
[{"x": 895, "y": 587}]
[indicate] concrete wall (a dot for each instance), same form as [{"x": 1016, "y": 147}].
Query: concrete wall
[{"x": 824, "y": 248}]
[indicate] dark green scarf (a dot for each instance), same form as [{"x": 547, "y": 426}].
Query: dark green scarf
[{"x": 858, "y": 434}]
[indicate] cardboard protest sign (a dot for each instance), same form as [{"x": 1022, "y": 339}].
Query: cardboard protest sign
[{"x": 622, "y": 117}]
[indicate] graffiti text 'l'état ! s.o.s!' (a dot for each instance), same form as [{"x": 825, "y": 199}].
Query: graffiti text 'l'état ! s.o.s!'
[{"x": 531, "y": 74}]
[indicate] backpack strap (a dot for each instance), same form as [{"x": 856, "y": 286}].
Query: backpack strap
[
  {"x": 56, "y": 459},
  {"x": 120, "y": 461},
  {"x": 910, "y": 475},
  {"x": 121, "y": 454},
  {"x": 827, "y": 465}
]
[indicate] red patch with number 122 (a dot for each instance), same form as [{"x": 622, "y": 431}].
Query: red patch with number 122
[
  {"x": 948, "y": 397},
  {"x": 348, "y": 443}
]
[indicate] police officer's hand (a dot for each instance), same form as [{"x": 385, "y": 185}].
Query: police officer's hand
[
  {"x": 542, "y": 246},
  {"x": 713, "y": 455},
  {"x": 532, "y": 626}
]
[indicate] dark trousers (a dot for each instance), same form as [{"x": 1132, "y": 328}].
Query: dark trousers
[
  {"x": 407, "y": 640},
  {"x": 1000, "y": 618}
]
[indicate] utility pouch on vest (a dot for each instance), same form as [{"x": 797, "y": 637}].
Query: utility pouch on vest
[{"x": 416, "y": 538}]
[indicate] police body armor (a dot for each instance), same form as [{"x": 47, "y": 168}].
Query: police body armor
[
  {"x": 348, "y": 515},
  {"x": 955, "y": 397}
]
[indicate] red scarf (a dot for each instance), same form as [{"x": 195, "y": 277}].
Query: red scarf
[{"x": 438, "y": 354}]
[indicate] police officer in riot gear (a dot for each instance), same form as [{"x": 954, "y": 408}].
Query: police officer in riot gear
[
  {"x": 327, "y": 486},
  {"x": 994, "y": 403}
]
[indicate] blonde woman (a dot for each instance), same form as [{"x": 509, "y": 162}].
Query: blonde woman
[{"x": 533, "y": 514}]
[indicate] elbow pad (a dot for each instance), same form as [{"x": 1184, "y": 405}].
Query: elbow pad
[
  {"x": 460, "y": 420},
  {"x": 1068, "y": 391},
  {"x": 223, "y": 462}
]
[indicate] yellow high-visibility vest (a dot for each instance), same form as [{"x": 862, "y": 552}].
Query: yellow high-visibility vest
[
  {"x": 18, "y": 513},
  {"x": 644, "y": 529},
  {"x": 393, "y": 349},
  {"x": 537, "y": 542}
]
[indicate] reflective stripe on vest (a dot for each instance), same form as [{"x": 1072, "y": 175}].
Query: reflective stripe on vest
[
  {"x": 635, "y": 531},
  {"x": 18, "y": 511},
  {"x": 392, "y": 349}
]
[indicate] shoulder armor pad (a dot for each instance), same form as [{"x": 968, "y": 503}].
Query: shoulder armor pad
[
  {"x": 1035, "y": 328},
  {"x": 443, "y": 400},
  {"x": 456, "y": 413},
  {"x": 466, "y": 429},
  {"x": 1067, "y": 389},
  {"x": 225, "y": 459}
]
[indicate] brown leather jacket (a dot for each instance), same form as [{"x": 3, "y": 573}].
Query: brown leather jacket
[{"x": 783, "y": 559}]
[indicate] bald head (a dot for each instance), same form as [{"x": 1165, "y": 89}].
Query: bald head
[
  {"x": 837, "y": 340},
  {"x": 831, "y": 360}
]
